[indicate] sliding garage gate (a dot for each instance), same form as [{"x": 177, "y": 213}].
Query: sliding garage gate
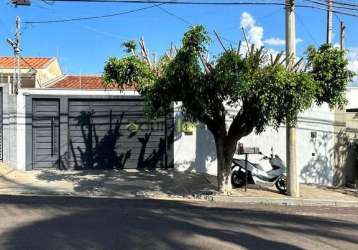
[{"x": 101, "y": 134}]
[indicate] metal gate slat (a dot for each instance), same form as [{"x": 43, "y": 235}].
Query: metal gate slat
[
  {"x": 46, "y": 133},
  {"x": 95, "y": 117}
]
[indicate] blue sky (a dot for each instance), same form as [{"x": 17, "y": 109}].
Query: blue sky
[{"x": 83, "y": 46}]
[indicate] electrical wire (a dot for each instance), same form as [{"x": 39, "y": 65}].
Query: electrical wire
[
  {"x": 177, "y": 2},
  {"x": 93, "y": 17},
  {"x": 307, "y": 30},
  {"x": 333, "y": 5},
  {"x": 189, "y": 23},
  {"x": 314, "y": 4}
]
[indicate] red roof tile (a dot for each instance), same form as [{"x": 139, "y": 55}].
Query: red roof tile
[
  {"x": 83, "y": 82},
  {"x": 25, "y": 62}
]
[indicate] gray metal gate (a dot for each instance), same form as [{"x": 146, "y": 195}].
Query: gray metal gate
[
  {"x": 116, "y": 134},
  {"x": 45, "y": 132},
  {"x": 1, "y": 126}
]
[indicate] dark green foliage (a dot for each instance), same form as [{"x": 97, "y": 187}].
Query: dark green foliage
[
  {"x": 129, "y": 70},
  {"x": 264, "y": 92},
  {"x": 129, "y": 46},
  {"x": 254, "y": 89},
  {"x": 328, "y": 67}
]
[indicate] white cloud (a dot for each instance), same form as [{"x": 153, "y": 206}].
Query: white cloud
[
  {"x": 299, "y": 40},
  {"x": 254, "y": 33},
  {"x": 275, "y": 41},
  {"x": 352, "y": 57}
]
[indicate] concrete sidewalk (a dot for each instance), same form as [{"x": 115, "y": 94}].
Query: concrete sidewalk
[
  {"x": 107, "y": 183},
  {"x": 158, "y": 184}
]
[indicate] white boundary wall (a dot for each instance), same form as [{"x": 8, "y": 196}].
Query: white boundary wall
[{"x": 316, "y": 155}]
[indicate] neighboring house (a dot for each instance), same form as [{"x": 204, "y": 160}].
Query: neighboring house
[
  {"x": 77, "y": 82},
  {"x": 90, "y": 82},
  {"x": 35, "y": 71}
]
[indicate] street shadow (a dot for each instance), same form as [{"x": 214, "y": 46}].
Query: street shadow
[
  {"x": 68, "y": 223},
  {"x": 126, "y": 183}
]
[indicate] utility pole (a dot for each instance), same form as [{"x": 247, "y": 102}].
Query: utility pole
[
  {"x": 329, "y": 22},
  {"x": 16, "y": 47},
  {"x": 21, "y": 2},
  {"x": 342, "y": 35},
  {"x": 17, "y": 54},
  {"x": 293, "y": 188}
]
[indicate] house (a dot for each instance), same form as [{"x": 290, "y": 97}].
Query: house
[
  {"x": 74, "y": 122},
  {"x": 35, "y": 71}
]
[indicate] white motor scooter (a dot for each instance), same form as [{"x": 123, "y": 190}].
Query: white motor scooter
[{"x": 256, "y": 174}]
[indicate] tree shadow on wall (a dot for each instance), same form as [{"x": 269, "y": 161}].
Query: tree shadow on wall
[
  {"x": 104, "y": 153},
  {"x": 98, "y": 154},
  {"x": 156, "y": 158},
  {"x": 318, "y": 169}
]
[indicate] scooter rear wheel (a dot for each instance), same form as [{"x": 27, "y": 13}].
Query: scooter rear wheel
[
  {"x": 281, "y": 184},
  {"x": 238, "y": 179}
]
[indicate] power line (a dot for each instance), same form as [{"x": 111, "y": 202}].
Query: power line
[
  {"x": 93, "y": 17},
  {"x": 307, "y": 30},
  {"x": 189, "y": 23},
  {"x": 314, "y": 4},
  {"x": 176, "y": 2},
  {"x": 335, "y": 5},
  {"x": 174, "y": 15}
]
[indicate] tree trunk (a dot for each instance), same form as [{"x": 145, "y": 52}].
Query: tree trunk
[{"x": 225, "y": 151}]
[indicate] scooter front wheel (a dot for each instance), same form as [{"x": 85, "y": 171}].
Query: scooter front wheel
[
  {"x": 238, "y": 179},
  {"x": 281, "y": 184}
]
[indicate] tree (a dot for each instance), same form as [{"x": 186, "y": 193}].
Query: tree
[{"x": 260, "y": 89}]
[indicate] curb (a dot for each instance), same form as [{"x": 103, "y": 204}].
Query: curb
[
  {"x": 284, "y": 201},
  {"x": 206, "y": 198}
]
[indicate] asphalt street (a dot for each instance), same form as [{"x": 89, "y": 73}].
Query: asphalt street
[{"x": 53, "y": 223}]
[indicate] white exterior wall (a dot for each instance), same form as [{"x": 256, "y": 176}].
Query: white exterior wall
[
  {"x": 316, "y": 156},
  {"x": 352, "y": 96},
  {"x": 20, "y": 133}
]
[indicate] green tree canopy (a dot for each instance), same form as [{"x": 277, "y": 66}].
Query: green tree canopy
[{"x": 257, "y": 87}]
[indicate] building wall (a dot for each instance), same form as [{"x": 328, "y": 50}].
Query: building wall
[
  {"x": 352, "y": 135},
  {"x": 48, "y": 73},
  {"x": 9, "y": 127},
  {"x": 316, "y": 155},
  {"x": 34, "y": 77},
  {"x": 27, "y": 79}
]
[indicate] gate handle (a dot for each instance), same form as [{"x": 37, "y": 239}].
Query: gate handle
[{"x": 52, "y": 139}]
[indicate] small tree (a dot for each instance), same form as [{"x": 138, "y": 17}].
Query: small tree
[{"x": 257, "y": 86}]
